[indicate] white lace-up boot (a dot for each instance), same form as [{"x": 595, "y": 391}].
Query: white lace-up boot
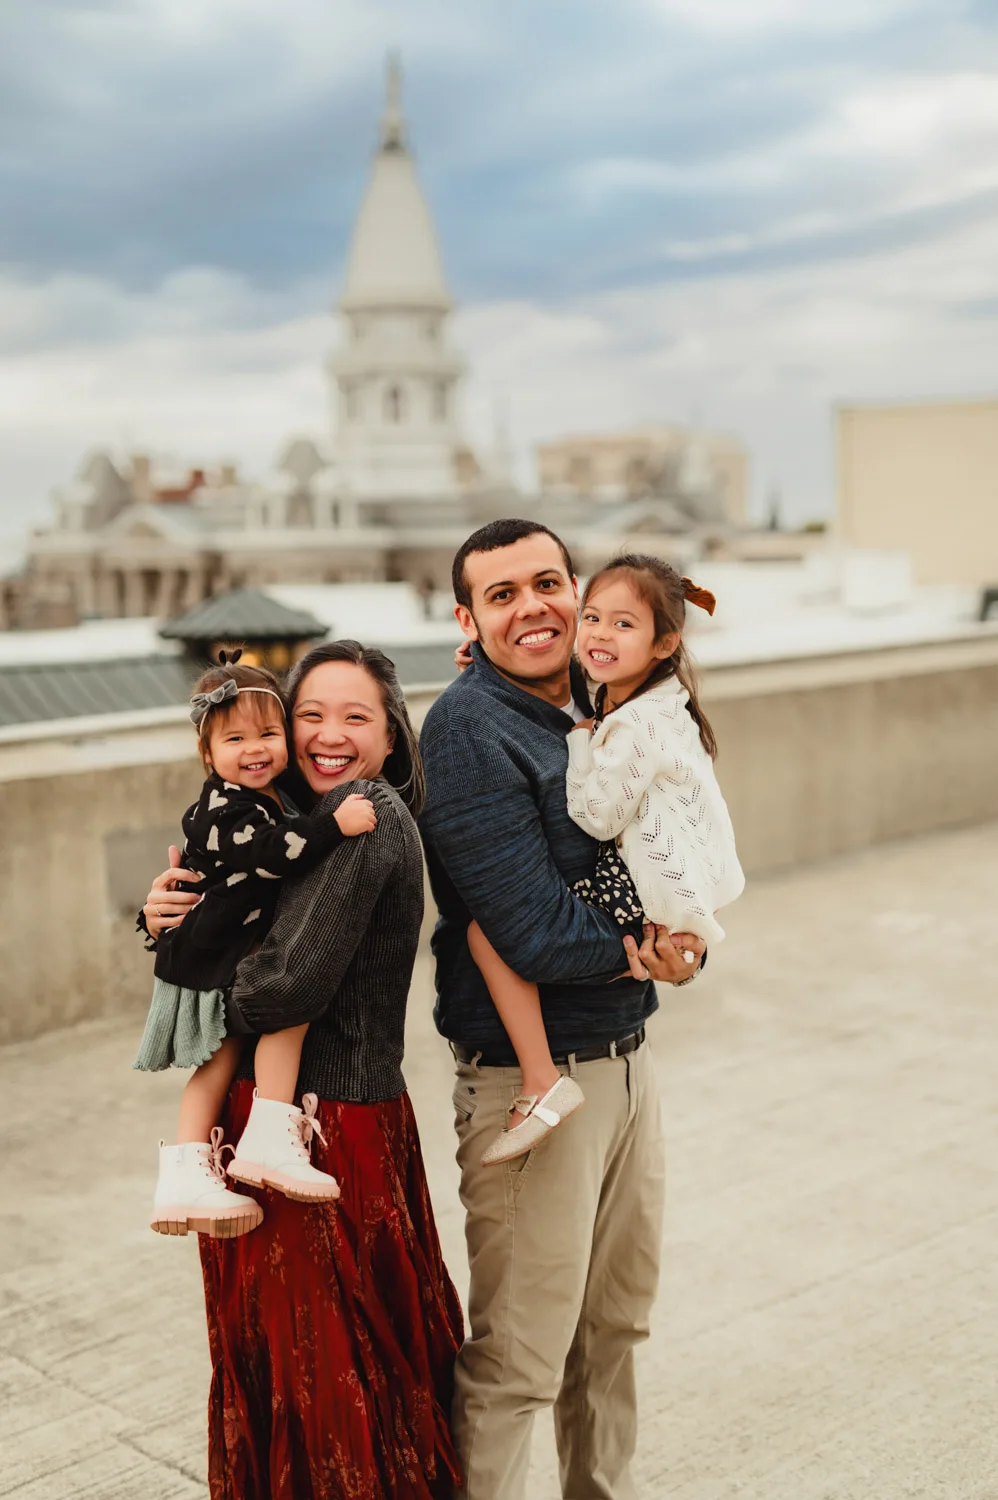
[
  {"x": 191, "y": 1193},
  {"x": 273, "y": 1151}
]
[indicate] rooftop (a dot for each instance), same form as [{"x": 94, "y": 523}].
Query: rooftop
[
  {"x": 94, "y": 640},
  {"x": 824, "y": 1323},
  {"x": 242, "y": 615},
  {"x": 71, "y": 690},
  {"x": 766, "y": 613}
]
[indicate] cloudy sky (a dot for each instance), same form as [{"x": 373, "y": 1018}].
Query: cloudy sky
[{"x": 733, "y": 211}]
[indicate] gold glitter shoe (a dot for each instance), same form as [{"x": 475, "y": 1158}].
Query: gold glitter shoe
[{"x": 542, "y": 1115}]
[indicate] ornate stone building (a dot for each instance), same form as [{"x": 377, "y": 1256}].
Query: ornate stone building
[
  {"x": 389, "y": 497},
  {"x": 704, "y": 475}
]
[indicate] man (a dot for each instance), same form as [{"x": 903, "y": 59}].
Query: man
[{"x": 563, "y": 1243}]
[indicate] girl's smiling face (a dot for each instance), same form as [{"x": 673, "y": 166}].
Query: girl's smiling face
[
  {"x": 616, "y": 642},
  {"x": 340, "y": 726},
  {"x": 247, "y": 742}
]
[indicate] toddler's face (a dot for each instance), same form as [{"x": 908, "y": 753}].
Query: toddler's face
[{"x": 248, "y": 745}]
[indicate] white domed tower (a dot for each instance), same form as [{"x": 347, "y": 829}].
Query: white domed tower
[{"x": 394, "y": 377}]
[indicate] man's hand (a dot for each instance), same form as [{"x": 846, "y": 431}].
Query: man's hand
[
  {"x": 165, "y": 906},
  {"x": 661, "y": 958},
  {"x": 682, "y": 942}
]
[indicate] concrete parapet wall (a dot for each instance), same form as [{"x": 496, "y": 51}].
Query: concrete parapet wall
[
  {"x": 77, "y": 851},
  {"x": 821, "y": 757},
  {"x": 818, "y": 757}
]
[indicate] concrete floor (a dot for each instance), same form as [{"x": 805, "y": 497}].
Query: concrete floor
[{"x": 828, "y": 1322}]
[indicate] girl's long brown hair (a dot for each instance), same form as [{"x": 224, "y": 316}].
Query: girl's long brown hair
[{"x": 665, "y": 593}]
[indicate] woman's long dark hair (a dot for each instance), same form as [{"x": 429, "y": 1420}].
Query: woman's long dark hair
[
  {"x": 403, "y": 768},
  {"x": 665, "y": 594}
]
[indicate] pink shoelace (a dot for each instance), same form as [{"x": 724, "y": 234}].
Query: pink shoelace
[
  {"x": 309, "y": 1124},
  {"x": 214, "y": 1157}
]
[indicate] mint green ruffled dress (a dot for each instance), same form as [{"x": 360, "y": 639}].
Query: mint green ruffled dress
[{"x": 184, "y": 1028}]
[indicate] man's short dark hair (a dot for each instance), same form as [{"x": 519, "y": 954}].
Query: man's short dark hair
[{"x": 489, "y": 539}]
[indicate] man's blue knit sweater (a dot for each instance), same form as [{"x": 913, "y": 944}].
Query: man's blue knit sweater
[{"x": 501, "y": 848}]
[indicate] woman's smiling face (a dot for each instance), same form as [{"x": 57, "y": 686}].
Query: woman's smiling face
[{"x": 340, "y": 726}]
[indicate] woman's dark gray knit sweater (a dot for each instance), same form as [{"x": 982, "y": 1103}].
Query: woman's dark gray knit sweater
[{"x": 340, "y": 954}]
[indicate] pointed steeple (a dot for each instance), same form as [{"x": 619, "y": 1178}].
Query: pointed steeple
[
  {"x": 394, "y": 375},
  {"x": 393, "y": 120},
  {"x": 394, "y": 259}
]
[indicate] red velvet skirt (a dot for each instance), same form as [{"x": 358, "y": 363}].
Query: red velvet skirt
[{"x": 333, "y": 1327}]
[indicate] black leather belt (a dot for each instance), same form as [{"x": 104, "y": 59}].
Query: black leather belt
[{"x": 626, "y": 1044}]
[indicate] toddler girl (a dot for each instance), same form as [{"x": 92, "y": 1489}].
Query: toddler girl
[
  {"x": 641, "y": 780},
  {"x": 243, "y": 842}
]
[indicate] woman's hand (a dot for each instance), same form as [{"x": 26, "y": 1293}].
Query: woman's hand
[
  {"x": 165, "y": 906},
  {"x": 462, "y": 656},
  {"x": 661, "y": 958},
  {"x": 586, "y": 724}
]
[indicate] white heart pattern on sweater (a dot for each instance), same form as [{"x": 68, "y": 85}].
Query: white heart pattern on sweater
[
  {"x": 244, "y": 835},
  {"x": 216, "y": 800},
  {"x": 295, "y": 844}
]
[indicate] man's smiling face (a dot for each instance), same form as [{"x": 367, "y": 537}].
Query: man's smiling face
[{"x": 524, "y": 608}]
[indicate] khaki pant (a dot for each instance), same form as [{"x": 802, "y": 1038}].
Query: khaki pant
[{"x": 564, "y": 1247}]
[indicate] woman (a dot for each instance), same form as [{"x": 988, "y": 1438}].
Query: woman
[{"x": 333, "y": 1327}]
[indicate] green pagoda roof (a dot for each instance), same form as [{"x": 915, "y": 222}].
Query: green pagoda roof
[{"x": 242, "y": 615}]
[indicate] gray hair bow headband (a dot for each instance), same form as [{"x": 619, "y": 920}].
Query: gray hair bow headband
[{"x": 201, "y": 702}]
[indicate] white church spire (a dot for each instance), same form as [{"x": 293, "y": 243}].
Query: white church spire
[
  {"x": 394, "y": 375},
  {"x": 394, "y": 258},
  {"x": 392, "y": 121}
]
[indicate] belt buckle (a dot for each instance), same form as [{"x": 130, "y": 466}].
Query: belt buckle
[{"x": 613, "y": 1049}]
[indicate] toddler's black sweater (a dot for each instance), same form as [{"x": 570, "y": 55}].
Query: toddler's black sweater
[{"x": 244, "y": 845}]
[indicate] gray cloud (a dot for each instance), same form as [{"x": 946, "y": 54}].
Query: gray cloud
[
  {"x": 662, "y": 208},
  {"x": 142, "y": 138}
]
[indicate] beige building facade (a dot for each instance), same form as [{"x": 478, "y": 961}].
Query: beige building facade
[
  {"x": 705, "y": 471},
  {"x": 923, "y": 477}
]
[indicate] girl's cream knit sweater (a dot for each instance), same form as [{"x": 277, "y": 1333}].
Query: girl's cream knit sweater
[{"x": 644, "y": 779}]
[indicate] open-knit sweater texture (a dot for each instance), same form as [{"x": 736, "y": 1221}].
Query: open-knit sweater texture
[{"x": 644, "y": 779}]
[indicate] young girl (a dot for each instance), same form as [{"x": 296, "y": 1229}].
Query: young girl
[
  {"x": 241, "y": 840},
  {"x": 641, "y": 780}
]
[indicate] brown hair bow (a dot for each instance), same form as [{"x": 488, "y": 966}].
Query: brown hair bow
[{"x": 703, "y": 598}]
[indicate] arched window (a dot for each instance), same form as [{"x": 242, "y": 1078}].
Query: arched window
[
  {"x": 351, "y": 403},
  {"x": 394, "y": 404},
  {"x": 439, "y": 400}
]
